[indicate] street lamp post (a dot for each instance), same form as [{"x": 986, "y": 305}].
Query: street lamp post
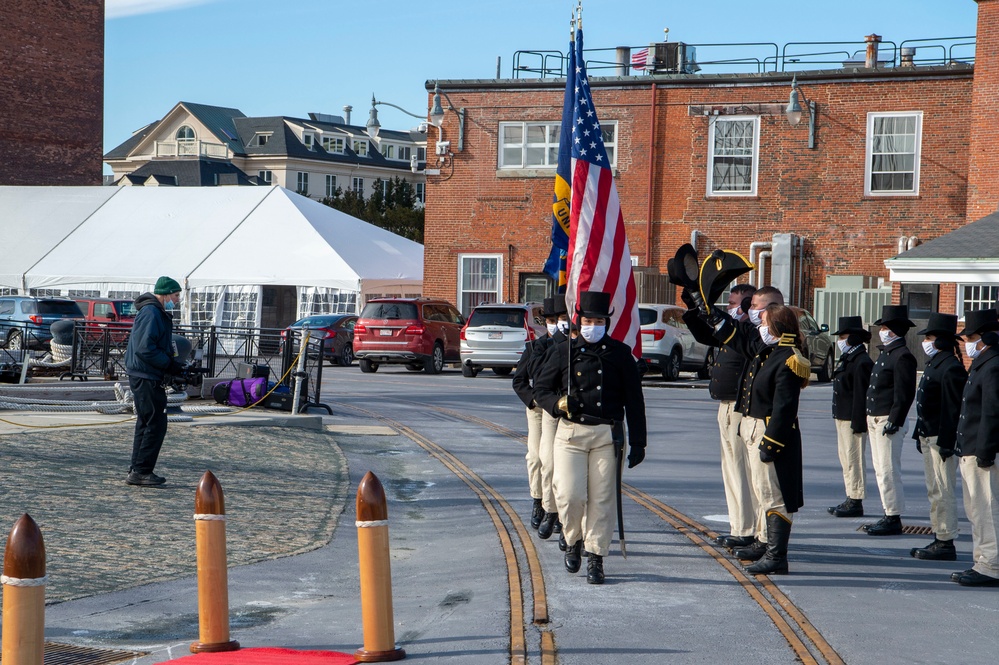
[{"x": 794, "y": 111}]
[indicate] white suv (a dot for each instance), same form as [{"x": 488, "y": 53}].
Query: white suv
[
  {"x": 668, "y": 346},
  {"x": 496, "y": 335}
]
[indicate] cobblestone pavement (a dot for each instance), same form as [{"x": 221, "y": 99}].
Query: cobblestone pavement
[{"x": 284, "y": 490}]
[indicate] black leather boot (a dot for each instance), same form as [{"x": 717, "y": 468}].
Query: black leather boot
[
  {"x": 595, "y": 569},
  {"x": 547, "y": 525},
  {"x": 889, "y": 525},
  {"x": 537, "y": 514},
  {"x": 753, "y": 552},
  {"x": 938, "y": 550},
  {"x": 562, "y": 545},
  {"x": 558, "y": 525},
  {"x": 572, "y": 559},
  {"x": 849, "y": 508},
  {"x": 731, "y": 542},
  {"x": 774, "y": 562}
]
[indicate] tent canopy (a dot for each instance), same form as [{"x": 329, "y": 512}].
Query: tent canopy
[{"x": 211, "y": 236}]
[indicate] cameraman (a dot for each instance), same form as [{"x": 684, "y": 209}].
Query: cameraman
[{"x": 148, "y": 359}]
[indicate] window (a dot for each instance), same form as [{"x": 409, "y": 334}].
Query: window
[
  {"x": 735, "y": 143},
  {"x": 977, "y": 296},
  {"x": 265, "y": 177},
  {"x": 261, "y": 139},
  {"x": 44, "y": 293},
  {"x": 360, "y": 147},
  {"x": 302, "y": 183},
  {"x": 478, "y": 280},
  {"x": 421, "y": 154},
  {"x": 405, "y": 152},
  {"x": 893, "y": 142},
  {"x": 333, "y": 144},
  {"x": 330, "y": 186},
  {"x": 388, "y": 151},
  {"x": 358, "y": 186},
  {"x": 608, "y": 132},
  {"x": 309, "y": 140},
  {"x": 123, "y": 295},
  {"x": 203, "y": 306},
  {"x": 185, "y": 133},
  {"x": 529, "y": 145},
  {"x": 385, "y": 187},
  {"x": 83, "y": 293},
  {"x": 7, "y": 291},
  {"x": 420, "y": 193}
]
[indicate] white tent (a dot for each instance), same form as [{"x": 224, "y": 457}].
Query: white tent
[{"x": 223, "y": 244}]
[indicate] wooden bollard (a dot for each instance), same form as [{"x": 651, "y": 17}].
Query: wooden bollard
[
  {"x": 376, "y": 574},
  {"x": 213, "y": 581},
  {"x": 23, "y": 595}
]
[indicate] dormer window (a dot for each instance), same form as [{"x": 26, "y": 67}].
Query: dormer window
[
  {"x": 261, "y": 139},
  {"x": 360, "y": 147},
  {"x": 333, "y": 144},
  {"x": 388, "y": 151},
  {"x": 309, "y": 140}
]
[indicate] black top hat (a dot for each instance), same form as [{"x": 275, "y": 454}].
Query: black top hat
[
  {"x": 941, "y": 325},
  {"x": 559, "y": 300},
  {"x": 850, "y": 324},
  {"x": 594, "y": 304},
  {"x": 979, "y": 321},
  {"x": 548, "y": 307},
  {"x": 895, "y": 314}
]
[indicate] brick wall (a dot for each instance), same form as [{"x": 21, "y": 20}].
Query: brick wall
[
  {"x": 983, "y": 186},
  {"x": 52, "y": 92}
]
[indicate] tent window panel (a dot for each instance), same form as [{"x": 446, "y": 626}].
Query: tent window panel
[
  {"x": 123, "y": 295},
  {"x": 44, "y": 293},
  {"x": 203, "y": 306},
  {"x": 7, "y": 291},
  {"x": 324, "y": 300},
  {"x": 239, "y": 309},
  {"x": 84, "y": 293}
]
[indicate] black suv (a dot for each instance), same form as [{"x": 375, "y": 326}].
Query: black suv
[{"x": 25, "y": 321}]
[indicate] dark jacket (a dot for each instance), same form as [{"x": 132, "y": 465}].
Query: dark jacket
[
  {"x": 893, "y": 383},
  {"x": 523, "y": 378},
  {"x": 938, "y": 400},
  {"x": 978, "y": 427},
  {"x": 728, "y": 365},
  {"x": 605, "y": 381},
  {"x": 851, "y": 378},
  {"x": 150, "y": 346}
]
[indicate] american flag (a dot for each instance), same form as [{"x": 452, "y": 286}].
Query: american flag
[
  {"x": 639, "y": 58},
  {"x": 598, "y": 257}
]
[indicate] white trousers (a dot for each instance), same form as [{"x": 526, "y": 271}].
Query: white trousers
[
  {"x": 549, "y": 425},
  {"x": 533, "y": 451},
  {"x": 736, "y": 478},
  {"x": 765, "y": 483},
  {"x": 941, "y": 484},
  {"x": 886, "y": 452},
  {"x": 981, "y": 504},
  {"x": 853, "y": 459},
  {"x": 584, "y": 484}
]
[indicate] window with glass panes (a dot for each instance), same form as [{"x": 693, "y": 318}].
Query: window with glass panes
[
  {"x": 333, "y": 144},
  {"x": 405, "y": 152},
  {"x": 265, "y": 176},
  {"x": 421, "y": 154},
  {"x": 302, "y": 183},
  {"x": 893, "y": 143},
  {"x": 977, "y": 296},
  {"x": 360, "y": 147},
  {"x": 388, "y": 151},
  {"x": 358, "y": 186},
  {"x": 420, "y": 192},
  {"x": 478, "y": 280},
  {"x": 330, "y": 185},
  {"x": 734, "y": 145}
]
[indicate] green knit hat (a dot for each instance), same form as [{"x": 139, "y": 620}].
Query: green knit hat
[{"x": 165, "y": 286}]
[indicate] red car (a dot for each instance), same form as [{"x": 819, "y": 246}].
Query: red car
[{"x": 420, "y": 333}]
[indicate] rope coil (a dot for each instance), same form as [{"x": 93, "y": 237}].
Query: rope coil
[
  {"x": 23, "y": 582},
  {"x": 370, "y": 524}
]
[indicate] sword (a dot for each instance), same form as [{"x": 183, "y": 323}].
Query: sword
[{"x": 617, "y": 436}]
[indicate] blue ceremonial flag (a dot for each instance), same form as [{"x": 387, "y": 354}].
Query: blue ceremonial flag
[{"x": 561, "y": 203}]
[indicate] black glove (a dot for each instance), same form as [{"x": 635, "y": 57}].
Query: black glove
[
  {"x": 946, "y": 453},
  {"x": 985, "y": 463},
  {"x": 715, "y": 316},
  {"x": 175, "y": 368},
  {"x": 635, "y": 457},
  {"x": 765, "y": 456},
  {"x": 890, "y": 428}
]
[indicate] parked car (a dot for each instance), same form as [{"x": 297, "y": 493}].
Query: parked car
[
  {"x": 420, "y": 333},
  {"x": 25, "y": 321},
  {"x": 668, "y": 346},
  {"x": 496, "y": 336},
  {"x": 107, "y": 309},
  {"x": 819, "y": 343},
  {"x": 336, "y": 332}
]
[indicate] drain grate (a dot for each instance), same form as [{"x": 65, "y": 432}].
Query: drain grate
[
  {"x": 911, "y": 530},
  {"x": 67, "y": 654}
]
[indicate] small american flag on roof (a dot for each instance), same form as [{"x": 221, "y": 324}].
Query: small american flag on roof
[{"x": 639, "y": 58}]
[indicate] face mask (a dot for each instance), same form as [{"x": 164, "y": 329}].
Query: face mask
[
  {"x": 169, "y": 306},
  {"x": 592, "y": 333},
  {"x": 552, "y": 327},
  {"x": 843, "y": 346},
  {"x": 755, "y": 317},
  {"x": 886, "y": 336},
  {"x": 734, "y": 313},
  {"x": 929, "y": 349},
  {"x": 971, "y": 348},
  {"x": 563, "y": 326},
  {"x": 765, "y": 335}
]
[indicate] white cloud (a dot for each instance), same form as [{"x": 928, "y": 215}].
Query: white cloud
[{"x": 120, "y": 8}]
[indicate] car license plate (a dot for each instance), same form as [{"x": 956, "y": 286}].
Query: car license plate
[
  {"x": 385, "y": 332},
  {"x": 497, "y": 335}
]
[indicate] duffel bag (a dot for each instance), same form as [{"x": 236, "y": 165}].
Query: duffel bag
[{"x": 240, "y": 392}]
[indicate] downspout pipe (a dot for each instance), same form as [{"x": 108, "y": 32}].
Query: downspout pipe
[
  {"x": 753, "y": 247},
  {"x": 652, "y": 179}
]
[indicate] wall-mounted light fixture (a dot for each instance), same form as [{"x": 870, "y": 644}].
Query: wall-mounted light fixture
[
  {"x": 794, "y": 111},
  {"x": 437, "y": 117}
]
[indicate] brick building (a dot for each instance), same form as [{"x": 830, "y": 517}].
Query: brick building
[
  {"x": 900, "y": 156},
  {"x": 52, "y": 92}
]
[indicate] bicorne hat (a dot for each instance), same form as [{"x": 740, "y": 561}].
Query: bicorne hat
[
  {"x": 594, "y": 304},
  {"x": 941, "y": 325},
  {"x": 851, "y": 324},
  {"x": 895, "y": 315},
  {"x": 980, "y": 321}
]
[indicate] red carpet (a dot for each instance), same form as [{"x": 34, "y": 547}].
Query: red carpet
[{"x": 269, "y": 656}]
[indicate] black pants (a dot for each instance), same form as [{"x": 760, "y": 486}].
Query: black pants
[{"x": 150, "y": 423}]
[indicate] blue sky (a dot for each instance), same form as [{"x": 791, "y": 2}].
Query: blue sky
[{"x": 293, "y": 57}]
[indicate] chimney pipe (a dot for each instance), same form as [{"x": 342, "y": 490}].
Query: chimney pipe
[
  {"x": 623, "y": 63},
  {"x": 908, "y": 56},
  {"x": 872, "y": 50},
  {"x": 346, "y": 114}
]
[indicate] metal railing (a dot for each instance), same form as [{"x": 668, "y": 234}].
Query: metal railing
[{"x": 190, "y": 149}]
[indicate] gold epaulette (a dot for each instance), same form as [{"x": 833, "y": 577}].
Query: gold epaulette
[{"x": 799, "y": 365}]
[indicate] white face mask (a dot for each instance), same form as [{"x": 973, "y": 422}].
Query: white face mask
[
  {"x": 843, "y": 346},
  {"x": 592, "y": 333},
  {"x": 552, "y": 327},
  {"x": 929, "y": 349},
  {"x": 734, "y": 312},
  {"x": 765, "y": 335},
  {"x": 886, "y": 336},
  {"x": 563, "y": 326},
  {"x": 755, "y": 317},
  {"x": 971, "y": 348}
]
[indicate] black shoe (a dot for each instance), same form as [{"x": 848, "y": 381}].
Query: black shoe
[
  {"x": 954, "y": 577},
  {"x": 562, "y": 545},
  {"x": 975, "y": 578},
  {"x": 547, "y": 525},
  {"x": 938, "y": 550},
  {"x": 753, "y": 552},
  {"x": 595, "y": 570},
  {"x": 849, "y": 508},
  {"x": 144, "y": 479},
  {"x": 558, "y": 525},
  {"x": 537, "y": 514},
  {"x": 572, "y": 558},
  {"x": 774, "y": 562},
  {"x": 733, "y": 542},
  {"x": 889, "y": 525}
]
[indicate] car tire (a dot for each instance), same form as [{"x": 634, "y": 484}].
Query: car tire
[
  {"x": 502, "y": 371},
  {"x": 469, "y": 372},
  {"x": 435, "y": 363},
  {"x": 824, "y": 374},
  {"x": 671, "y": 369},
  {"x": 709, "y": 360},
  {"x": 367, "y": 366},
  {"x": 346, "y": 358},
  {"x": 15, "y": 341}
]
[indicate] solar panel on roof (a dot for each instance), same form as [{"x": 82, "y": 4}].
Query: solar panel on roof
[{"x": 226, "y": 132}]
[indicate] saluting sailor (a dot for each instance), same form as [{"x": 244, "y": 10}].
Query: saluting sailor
[{"x": 604, "y": 387}]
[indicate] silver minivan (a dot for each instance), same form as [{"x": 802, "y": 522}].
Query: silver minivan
[{"x": 496, "y": 335}]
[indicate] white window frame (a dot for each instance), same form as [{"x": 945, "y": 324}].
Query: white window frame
[
  {"x": 420, "y": 191},
  {"x": 461, "y": 278},
  {"x": 309, "y": 139},
  {"x": 388, "y": 151},
  {"x": 187, "y": 139},
  {"x": 357, "y": 185},
  {"x": 330, "y": 185},
  {"x": 266, "y": 176},
  {"x": 551, "y": 159},
  {"x": 869, "y": 158},
  {"x": 712, "y": 124},
  {"x": 421, "y": 154},
  {"x": 405, "y": 152},
  {"x": 333, "y": 144},
  {"x": 360, "y": 146},
  {"x": 261, "y": 138},
  {"x": 302, "y": 178},
  {"x": 979, "y": 302}
]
